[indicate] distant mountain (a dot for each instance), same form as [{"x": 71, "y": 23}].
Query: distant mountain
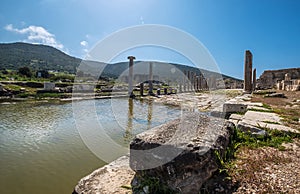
[
  {"x": 42, "y": 57},
  {"x": 16, "y": 55}
]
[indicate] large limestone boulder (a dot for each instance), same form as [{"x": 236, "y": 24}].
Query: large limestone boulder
[
  {"x": 180, "y": 154},
  {"x": 111, "y": 178}
]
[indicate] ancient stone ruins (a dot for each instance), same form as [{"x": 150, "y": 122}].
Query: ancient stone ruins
[
  {"x": 249, "y": 80},
  {"x": 283, "y": 79},
  {"x": 184, "y": 153}
]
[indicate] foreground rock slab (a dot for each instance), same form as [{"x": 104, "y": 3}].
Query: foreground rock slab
[
  {"x": 181, "y": 154},
  {"x": 264, "y": 120},
  {"x": 111, "y": 178}
]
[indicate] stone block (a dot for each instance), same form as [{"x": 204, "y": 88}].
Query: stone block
[
  {"x": 236, "y": 117},
  {"x": 255, "y": 131},
  {"x": 229, "y": 107},
  {"x": 181, "y": 153},
  {"x": 276, "y": 95}
]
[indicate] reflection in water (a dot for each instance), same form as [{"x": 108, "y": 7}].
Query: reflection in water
[
  {"x": 128, "y": 132},
  {"x": 150, "y": 109},
  {"x": 128, "y": 135},
  {"x": 41, "y": 150}
]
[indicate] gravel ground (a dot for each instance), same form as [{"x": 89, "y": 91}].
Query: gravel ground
[{"x": 268, "y": 170}]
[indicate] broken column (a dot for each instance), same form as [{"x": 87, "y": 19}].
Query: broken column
[
  {"x": 130, "y": 75},
  {"x": 254, "y": 79},
  {"x": 248, "y": 72},
  {"x": 150, "y": 78}
]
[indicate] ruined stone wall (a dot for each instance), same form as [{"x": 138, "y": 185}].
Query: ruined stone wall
[{"x": 270, "y": 78}]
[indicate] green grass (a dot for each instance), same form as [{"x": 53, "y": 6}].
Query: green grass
[
  {"x": 51, "y": 95},
  {"x": 266, "y": 106},
  {"x": 264, "y": 92},
  {"x": 260, "y": 110},
  {"x": 271, "y": 122},
  {"x": 153, "y": 185},
  {"x": 240, "y": 139},
  {"x": 274, "y": 139},
  {"x": 12, "y": 87}
]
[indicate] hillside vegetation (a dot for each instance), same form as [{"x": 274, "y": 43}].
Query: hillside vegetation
[
  {"x": 37, "y": 57},
  {"x": 14, "y": 56}
]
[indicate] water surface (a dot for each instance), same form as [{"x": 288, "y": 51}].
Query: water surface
[{"x": 41, "y": 150}]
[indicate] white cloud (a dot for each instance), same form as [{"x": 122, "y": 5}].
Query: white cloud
[
  {"x": 36, "y": 35},
  {"x": 84, "y": 43}
]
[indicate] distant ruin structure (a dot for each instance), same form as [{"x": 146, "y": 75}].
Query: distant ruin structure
[
  {"x": 283, "y": 79},
  {"x": 288, "y": 83},
  {"x": 248, "y": 72}
]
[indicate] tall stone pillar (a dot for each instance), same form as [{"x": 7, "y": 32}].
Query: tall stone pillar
[
  {"x": 184, "y": 81},
  {"x": 192, "y": 80},
  {"x": 254, "y": 79},
  {"x": 200, "y": 82},
  {"x": 188, "y": 80},
  {"x": 180, "y": 87},
  {"x": 248, "y": 72},
  {"x": 150, "y": 78},
  {"x": 130, "y": 75},
  {"x": 195, "y": 82}
]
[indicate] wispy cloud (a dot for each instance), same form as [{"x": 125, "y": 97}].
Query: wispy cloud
[
  {"x": 85, "y": 46},
  {"x": 84, "y": 43},
  {"x": 36, "y": 35}
]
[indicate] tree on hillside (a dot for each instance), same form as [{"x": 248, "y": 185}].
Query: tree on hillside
[
  {"x": 42, "y": 73},
  {"x": 25, "y": 71}
]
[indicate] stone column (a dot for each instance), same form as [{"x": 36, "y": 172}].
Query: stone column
[
  {"x": 188, "y": 81},
  {"x": 212, "y": 83},
  {"x": 158, "y": 91},
  {"x": 287, "y": 77},
  {"x": 200, "y": 82},
  {"x": 254, "y": 79},
  {"x": 248, "y": 72},
  {"x": 192, "y": 81},
  {"x": 195, "y": 82},
  {"x": 130, "y": 75},
  {"x": 180, "y": 87},
  {"x": 150, "y": 78},
  {"x": 141, "y": 89},
  {"x": 205, "y": 81},
  {"x": 165, "y": 91},
  {"x": 184, "y": 81}
]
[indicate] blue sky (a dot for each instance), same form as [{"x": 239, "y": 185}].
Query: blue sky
[{"x": 269, "y": 28}]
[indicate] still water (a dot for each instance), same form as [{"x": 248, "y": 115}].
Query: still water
[{"x": 41, "y": 150}]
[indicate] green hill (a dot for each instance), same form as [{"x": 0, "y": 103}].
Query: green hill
[
  {"x": 16, "y": 55},
  {"x": 42, "y": 57}
]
